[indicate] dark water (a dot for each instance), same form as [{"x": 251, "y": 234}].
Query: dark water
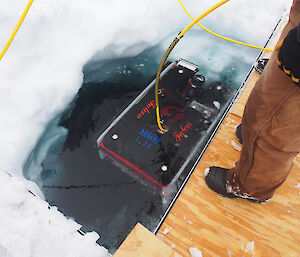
[{"x": 65, "y": 162}]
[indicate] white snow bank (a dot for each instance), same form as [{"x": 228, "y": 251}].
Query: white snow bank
[
  {"x": 41, "y": 71},
  {"x": 30, "y": 228}
]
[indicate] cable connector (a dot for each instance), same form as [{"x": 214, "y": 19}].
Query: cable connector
[{"x": 178, "y": 35}]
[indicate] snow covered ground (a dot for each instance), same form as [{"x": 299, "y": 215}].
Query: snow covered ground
[
  {"x": 42, "y": 72},
  {"x": 31, "y": 228}
]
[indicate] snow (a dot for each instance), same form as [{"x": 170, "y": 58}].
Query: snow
[
  {"x": 298, "y": 185},
  {"x": 230, "y": 253},
  {"x": 206, "y": 171},
  {"x": 195, "y": 252},
  {"x": 216, "y": 104},
  {"x": 249, "y": 247},
  {"x": 42, "y": 71},
  {"x": 31, "y": 228},
  {"x": 166, "y": 231},
  {"x": 236, "y": 146}
]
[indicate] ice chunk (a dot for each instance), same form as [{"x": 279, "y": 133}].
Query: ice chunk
[
  {"x": 195, "y": 252},
  {"x": 250, "y": 247},
  {"x": 166, "y": 231},
  {"x": 236, "y": 146},
  {"x": 216, "y": 104},
  {"x": 206, "y": 172}
]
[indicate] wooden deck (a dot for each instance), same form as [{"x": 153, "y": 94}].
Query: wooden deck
[
  {"x": 219, "y": 226},
  {"x": 232, "y": 227},
  {"x": 225, "y": 227},
  {"x": 142, "y": 243}
]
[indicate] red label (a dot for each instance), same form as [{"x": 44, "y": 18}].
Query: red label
[
  {"x": 145, "y": 110},
  {"x": 183, "y": 130}
]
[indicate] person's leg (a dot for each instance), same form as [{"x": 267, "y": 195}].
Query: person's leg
[
  {"x": 295, "y": 13},
  {"x": 270, "y": 132},
  {"x": 294, "y": 19},
  {"x": 271, "y": 137}
]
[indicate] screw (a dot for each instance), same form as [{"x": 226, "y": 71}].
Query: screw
[{"x": 164, "y": 168}]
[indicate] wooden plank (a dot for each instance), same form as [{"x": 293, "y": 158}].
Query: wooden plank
[
  {"x": 142, "y": 243},
  {"x": 232, "y": 227}
]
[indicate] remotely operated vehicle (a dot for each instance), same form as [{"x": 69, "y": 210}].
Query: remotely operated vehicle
[{"x": 188, "y": 105}]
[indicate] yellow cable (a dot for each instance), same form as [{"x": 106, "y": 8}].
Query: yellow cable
[
  {"x": 225, "y": 38},
  {"x": 202, "y": 16},
  {"x": 173, "y": 44},
  {"x": 16, "y": 28}
]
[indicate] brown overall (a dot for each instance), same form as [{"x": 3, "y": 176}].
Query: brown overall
[{"x": 270, "y": 129}]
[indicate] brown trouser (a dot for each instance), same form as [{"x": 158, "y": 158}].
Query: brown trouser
[{"x": 271, "y": 129}]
